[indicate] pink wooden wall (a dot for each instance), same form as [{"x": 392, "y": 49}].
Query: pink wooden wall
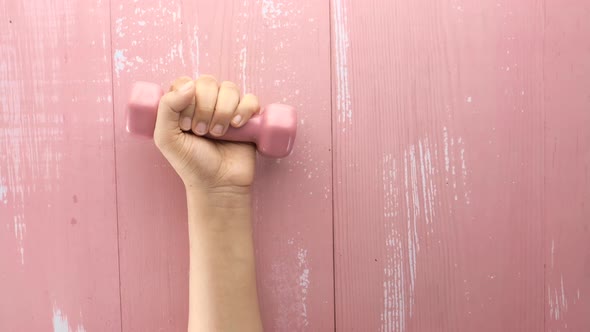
[{"x": 440, "y": 180}]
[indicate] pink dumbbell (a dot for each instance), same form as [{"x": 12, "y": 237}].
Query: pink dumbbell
[{"x": 272, "y": 130}]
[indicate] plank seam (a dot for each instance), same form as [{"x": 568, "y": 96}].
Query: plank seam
[
  {"x": 115, "y": 161},
  {"x": 330, "y": 29}
]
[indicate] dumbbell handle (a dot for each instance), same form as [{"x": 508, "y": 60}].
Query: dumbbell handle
[{"x": 142, "y": 112}]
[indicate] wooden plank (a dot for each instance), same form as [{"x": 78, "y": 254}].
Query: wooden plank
[
  {"x": 58, "y": 240},
  {"x": 277, "y": 50},
  {"x": 567, "y": 158},
  {"x": 438, "y": 161}
]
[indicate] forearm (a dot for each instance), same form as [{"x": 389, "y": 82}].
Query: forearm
[{"x": 222, "y": 273}]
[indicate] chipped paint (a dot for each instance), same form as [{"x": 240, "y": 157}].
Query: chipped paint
[
  {"x": 552, "y": 253},
  {"x": 3, "y": 192},
  {"x": 243, "y": 60},
  {"x": 29, "y": 137},
  {"x": 271, "y": 10},
  {"x": 195, "y": 51},
  {"x": 303, "y": 282},
  {"x": 411, "y": 218},
  {"x": 446, "y": 145},
  {"x": 455, "y": 157},
  {"x": 343, "y": 103},
  {"x": 120, "y": 61},
  {"x": 558, "y": 302},
  {"x": 20, "y": 229},
  {"x": 292, "y": 281},
  {"x": 61, "y": 324},
  {"x": 394, "y": 292},
  {"x": 410, "y": 203}
]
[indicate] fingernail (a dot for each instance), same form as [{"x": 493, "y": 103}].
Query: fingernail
[
  {"x": 217, "y": 130},
  {"x": 237, "y": 119},
  {"x": 201, "y": 128},
  {"x": 185, "y": 123},
  {"x": 188, "y": 86}
]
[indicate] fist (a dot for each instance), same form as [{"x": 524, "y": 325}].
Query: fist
[{"x": 193, "y": 108}]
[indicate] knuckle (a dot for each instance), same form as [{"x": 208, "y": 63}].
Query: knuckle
[
  {"x": 251, "y": 102},
  {"x": 180, "y": 81},
  {"x": 163, "y": 102},
  {"x": 229, "y": 85},
  {"x": 251, "y": 98},
  {"x": 207, "y": 79},
  {"x": 205, "y": 110}
]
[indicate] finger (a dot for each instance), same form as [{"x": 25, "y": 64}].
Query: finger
[
  {"x": 171, "y": 104},
  {"x": 227, "y": 101},
  {"x": 248, "y": 106},
  {"x": 186, "y": 115},
  {"x": 207, "y": 89}
]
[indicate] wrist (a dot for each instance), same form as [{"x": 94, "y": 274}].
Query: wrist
[
  {"x": 219, "y": 209},
  {"x": 223, "y": 197}
]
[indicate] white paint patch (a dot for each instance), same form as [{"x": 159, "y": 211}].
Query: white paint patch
[
  {"x": 410, "y": 199},
  {"x": 455, "y": 157},
  {"x": 180, "y": 50},
  {"x": 119, "y": 27},
  {"x": 446, "y": 145},
  {"x": 303, "y": 282},
  {"x": 194, "y": 50},
  {"x": 61, "y": 324},
  {"x": 552, "y": 253},
  {"x": 343, "y": 103},
  {"x": 271, "y": 10},
  {"x": 20, "y": 229},
  {"x": 243, "y": 61},
  {"x": 411, "y": 218},
  {"x": 394, "y": 292},
  {"x": 291, "y": 281},
  {"x": 428, "y": 187},
  {"x": 278, "y": 14},
  {"x": 558, "y": 302},
  {"x": 120, "y": 61},
  {"x": 3, "y": 193},
  {"x": 30, "y": 161}
]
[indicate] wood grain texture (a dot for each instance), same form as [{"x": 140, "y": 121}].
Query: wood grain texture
[
  {"x": 438, "y": 165},
  {"x": 278, "y": 50},
  {"x": 461, "y": 155},
  {"x": 58, "y": 235},
  {"x": 567, "y": 161}
]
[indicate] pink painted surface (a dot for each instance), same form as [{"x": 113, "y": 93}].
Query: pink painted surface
[
  {"x": 567, "y": 166},
  {"x": 448, "y": 117},
  {"x": 460, "y": 160},
  {"x": 264, "y": 48},
  {"x": 58, "y": 234}
]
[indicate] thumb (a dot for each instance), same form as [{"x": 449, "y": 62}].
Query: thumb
[{"x": 171, "y": 104}]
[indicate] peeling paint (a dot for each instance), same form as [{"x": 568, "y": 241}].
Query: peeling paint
[
  {"x": 303, "y": 282},
  {"x": 343, "y": 103},
  {"x": 195, "y": 51},
  {"x": 292, "y": 281},
  {"x": 120, "y": 61},
  {"x": 61, "y": 324},
  {"x": 20, "y": 229},
  {"x": 3, "y": 192},
  {"x": 243, "y": 60}
]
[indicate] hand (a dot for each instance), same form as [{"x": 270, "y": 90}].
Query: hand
[{"x": 192, "y": 109}]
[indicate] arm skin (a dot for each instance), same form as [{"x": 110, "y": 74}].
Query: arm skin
[
  {"x": 218, "y": 177},
  {"x": 222, "y": 272}
]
